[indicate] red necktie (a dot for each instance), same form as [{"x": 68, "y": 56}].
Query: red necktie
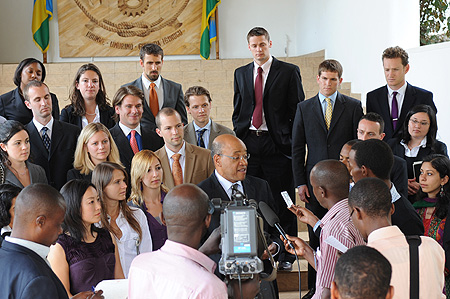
[
  {"x": 257, "y": 113},
  {"x": 177, "y": 172},
  {"x": 133, "y": 142},
  {"x": 153, "y": 99}
]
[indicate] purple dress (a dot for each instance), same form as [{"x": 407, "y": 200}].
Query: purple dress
[
  {"x": 158, "y": 231},
  {"x": 89, "y": 263}
]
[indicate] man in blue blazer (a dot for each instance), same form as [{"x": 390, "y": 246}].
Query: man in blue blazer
[
  {"x": 323, "y": 124},
  {"x": 266, "y": 94},
  {"x": 406, "y": 96},
  {"x": 56, "y": 160},
  {"x": 169, "y": 93},
  {"x": 25, "y": 272}
]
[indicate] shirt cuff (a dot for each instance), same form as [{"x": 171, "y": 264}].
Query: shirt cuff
[{"x": 318, "y": 223}]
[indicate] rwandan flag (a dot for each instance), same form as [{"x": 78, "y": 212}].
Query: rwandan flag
[
  {"x": 42, "y": 14},
  {"x": 208, "y": 30}
]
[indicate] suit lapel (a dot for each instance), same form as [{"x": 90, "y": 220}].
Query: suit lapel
[
  {"x": 189, "y": 162},
  {"x": 273, "y": 74},
  {"x": 384, "y": 108},
  {"x": 249, "y": 189},
  {"x": 122, "y": 142},
  {"x": 36, "y": 141},
  {"x": 147, "y": 110},
  {"x": 168, "y": 98},
  {"x": 250, "y": 84},
  {"x": 317, "y": 111},
  {"x": 167, "y": 176},
  {"x": 339, "y": 107},
  {"x": 190, "y": 133},
  {"x": 218, "y": 189},
  {"x": 215, "y": 131},
  {"x": 408, "y": 103},
  {"x": 57, "y": 135}
]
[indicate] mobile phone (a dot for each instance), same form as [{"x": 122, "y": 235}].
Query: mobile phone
[{"x": 287, "y": 199}]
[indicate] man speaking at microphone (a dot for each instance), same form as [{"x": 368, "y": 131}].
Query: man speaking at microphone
[{"x": 230, "y": 176}]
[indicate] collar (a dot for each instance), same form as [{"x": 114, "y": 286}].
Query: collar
[
  {"x": 226, "y": 184},
  {"x": 182, "y": 151},
  {"x": 339, "y": 206},
  {"x": 146, "y": 82},
  {"x": 266, "y": 66},
  {"x": 394, "y": 193},
  {"x": 400, "y": 91},
  {"x": 126, "y": 130},
  {"x": 39, "y": 249},
  {"x": 39, "y": 126},
  {"x": 384, "y": 233},
  {"x": 332, "y": 97},
  {"x": 175, "y": 248},
  {"x": 5, "y": 229},
  {"x": 423, "y": 143},
  {"x": 207, "y": 127}
]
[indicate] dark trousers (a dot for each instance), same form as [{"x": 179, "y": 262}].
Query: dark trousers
[{"x": 268, "y": 163}]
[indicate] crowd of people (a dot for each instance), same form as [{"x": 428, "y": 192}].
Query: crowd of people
[{"x": 121, "y": 189}]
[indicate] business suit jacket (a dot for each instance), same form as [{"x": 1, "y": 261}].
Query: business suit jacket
[
  {"x": 377, "y": 101},
  {"x": 198, "y": 165},
  {"x": 12, "y": 107},
  {"x": 406, "y": 218},
  {"x": 310, "y": 129},
  {"x": 150, "y": 141},
  {"x": 62, "y": 150},
  {"x": 173, "y": 98},
  {"x": 37, "y": 175},
  {"x": 24, "y": 274},
  {"x": 216, "y": 129},
  {"x": 399, "y": 176},
  {"x": 106, "y": 117},
  {"x": 282, "y": 92}
]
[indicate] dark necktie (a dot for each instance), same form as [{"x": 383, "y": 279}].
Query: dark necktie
[
  {"x": 257, "y": 113},
  {"x": 394, "y": 112},
  {"x": 46, "y": 138},
  {"x": 200, "y": 141},
  {"x": 234, "y": 190}
]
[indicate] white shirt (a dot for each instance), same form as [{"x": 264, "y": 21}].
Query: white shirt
[
  {"x": 158, "y": 87},
  {"x": 6, "y": 229},
  {"x": 400, "y": 96},
  {"x": 205, "y": 135},
  {"x": 394, "y": 193},
  {"x": 127, "y": 130},
  {"x": 226, "y": 184},
  {"x": 266, "y": 68},
  {"x": 182, "y": 152},
  {"x": 84, "y": 121},
  {"x": 127, "y": 243},
  {"x": 39, "y": 249},
  {"x": 39, "y": 127},
  {"x": 412, "y": 153}
]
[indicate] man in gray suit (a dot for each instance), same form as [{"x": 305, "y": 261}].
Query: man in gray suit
[
  {"x": 202, "y": 130},
  {"x": 159, "y": 92}
]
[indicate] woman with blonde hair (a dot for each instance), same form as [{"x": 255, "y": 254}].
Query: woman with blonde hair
[
  {"x": 94, "y": 146},
  {"x": 148, "y": 192},
  {"x": 88, "y": 100},
  {"x": 127, "y": 224}
]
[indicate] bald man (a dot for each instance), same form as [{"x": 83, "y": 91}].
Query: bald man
[
  {"x": 178, "y": 269},
  {"x": 25, "y": 271},
  {"x": 330, "y": 184}
]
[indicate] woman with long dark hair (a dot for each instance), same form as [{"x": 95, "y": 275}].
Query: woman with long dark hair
[
  {"x": 433, "y": 203},
  {"x": 88, "y": 100},
  {"x": 12, "y": 103},
  {"x": 84, "y": 254},
  {"x": 128, "y": 224},
  {"x": 8, "y": 195}
]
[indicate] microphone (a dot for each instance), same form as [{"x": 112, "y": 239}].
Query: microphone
[{"x": 273, "y": 220}]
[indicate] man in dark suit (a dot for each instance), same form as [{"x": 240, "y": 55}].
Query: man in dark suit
[
  {"x": 128, "y": 133},
  {"x": 158, "y": 92},
  {"x": 371, "y": 126},
  {"x": 231, "y": 161},
  {"x": 394, "y": 100},
  {"x": 324, "y": 124},
  {"x": 202, "y": 130},
  {"x": 25, "y": 271},
  {"x": 53, "y": 150},
  {"x": 181, "y": 162},
  {"x": 374, "y": 158},
  {"x": 266, "y": 93}
]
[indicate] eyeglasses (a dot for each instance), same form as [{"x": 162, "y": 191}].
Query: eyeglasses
[
  {"x": 243, "y": 157},
  {"x": 416, "y": 122}
]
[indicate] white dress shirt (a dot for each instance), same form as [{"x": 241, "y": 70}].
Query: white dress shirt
[
  {"x": 226, "y": 184},
  {"x": 85, "y": 122},
  {"x": 205, "y": 135},
  {"x": 400, "y": 97},
  {"x": 39, "y": 127},
  {"x": 182, "y": 152}
]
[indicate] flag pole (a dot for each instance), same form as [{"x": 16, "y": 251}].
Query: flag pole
[
  {"x": 217, "y": 32},
  {"x": 44, "y": 57}
]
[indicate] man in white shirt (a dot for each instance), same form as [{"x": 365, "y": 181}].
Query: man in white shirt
[
  {"x": 181, "y": 162},
  {"x": 371, "y": 209},
  {"x": 394, "y": 100},
  {"x": 158, "y": 92},
  {"x": 202, "y": 130}
]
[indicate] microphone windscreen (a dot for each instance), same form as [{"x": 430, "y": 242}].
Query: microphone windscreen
[{"x": 268, "y": 214}]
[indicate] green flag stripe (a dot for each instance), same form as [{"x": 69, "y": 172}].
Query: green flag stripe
[{"x": 42, "y": 36}]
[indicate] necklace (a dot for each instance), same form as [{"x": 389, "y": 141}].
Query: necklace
[
  {"x": 91, "y": 114},
  {"x": 20, "y": 173}
]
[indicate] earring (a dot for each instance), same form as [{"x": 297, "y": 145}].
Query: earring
[{"x": 441, "y": 193}]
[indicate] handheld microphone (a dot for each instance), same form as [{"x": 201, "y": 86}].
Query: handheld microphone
[{"x": 273, "y": 220}]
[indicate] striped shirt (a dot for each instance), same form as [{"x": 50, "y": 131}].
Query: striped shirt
[{"x": 336, "y": 223}]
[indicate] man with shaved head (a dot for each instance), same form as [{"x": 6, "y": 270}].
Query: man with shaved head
[
  {"x": 178, "y": 269},
  {"x": 330, "y": 183},
  {"x": 25, "y": 271}
]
